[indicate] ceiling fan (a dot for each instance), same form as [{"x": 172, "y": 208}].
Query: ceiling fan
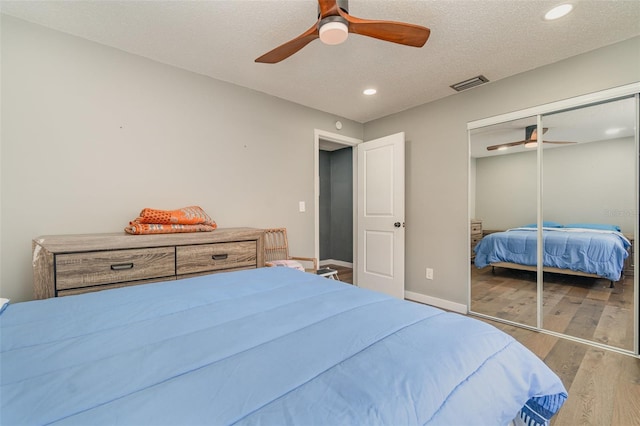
[
  {"x": 334, "y": 24},
  {"x": 530, "y": 140}
]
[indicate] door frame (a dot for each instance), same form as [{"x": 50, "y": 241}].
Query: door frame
[{"x": 346, "y": 141}]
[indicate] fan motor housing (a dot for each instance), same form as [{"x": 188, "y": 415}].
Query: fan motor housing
[{"x": 333, "y": 18}]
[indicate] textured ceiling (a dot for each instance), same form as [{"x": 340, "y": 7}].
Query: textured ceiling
[{"x": 221, "y": 39}]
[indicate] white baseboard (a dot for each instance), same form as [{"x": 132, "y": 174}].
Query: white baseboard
[
  {"x": 438, "y": 303},
  {"x": 336, "y": 262}
]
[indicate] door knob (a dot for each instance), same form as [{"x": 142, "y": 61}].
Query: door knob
[{"x": 397, "y": 224}]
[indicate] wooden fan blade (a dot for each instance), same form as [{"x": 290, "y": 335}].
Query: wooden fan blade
[
  {"x": 506, "y": 145},
  {"x": 396, "y": 32},
  {"x": 510, "y": 144},
  {"x": 289, "y": 48}
]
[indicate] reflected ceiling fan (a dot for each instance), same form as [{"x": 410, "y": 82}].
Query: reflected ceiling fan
[
  {"x": 530, "y": 140},
  {"x": 334, "y": 24}
]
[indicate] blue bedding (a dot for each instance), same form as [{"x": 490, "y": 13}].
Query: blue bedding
[
  {"x": 599, "y": 252},
  {"x": 268, "y": 346}
]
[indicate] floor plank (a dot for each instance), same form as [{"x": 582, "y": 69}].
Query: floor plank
[
  {"x": 592, "y": 390},
  {"x": 626, "y": 409}
]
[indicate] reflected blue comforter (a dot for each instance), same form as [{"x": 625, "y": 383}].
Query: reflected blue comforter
[
  {"x": 592, "y": 251},
  {"x": 268, "y": 346}
]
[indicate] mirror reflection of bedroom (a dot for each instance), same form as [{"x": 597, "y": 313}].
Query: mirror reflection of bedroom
[{"x": 581, "y": 186}]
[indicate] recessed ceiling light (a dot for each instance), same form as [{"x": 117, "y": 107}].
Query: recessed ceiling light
[
  {"x": 613, "y": 131},
  {"x": 558, "y": 12},
  {"x": 370, "y": 92}
]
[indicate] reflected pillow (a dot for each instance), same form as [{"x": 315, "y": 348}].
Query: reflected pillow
[
  {"x": 599, "y": 226},
  {"x": 545, "y": 224}
]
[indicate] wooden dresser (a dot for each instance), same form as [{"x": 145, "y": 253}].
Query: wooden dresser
[
  {"x": 476, "y": 235},
  {"x": 74, "y": 264}
]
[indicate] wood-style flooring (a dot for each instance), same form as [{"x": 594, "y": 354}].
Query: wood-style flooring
[
  {"x": 577, "y": 306},
  {"x": 603, "y": 386},
  {"x": 345, "y": 274}
]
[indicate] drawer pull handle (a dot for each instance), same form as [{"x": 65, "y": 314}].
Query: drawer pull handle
[
  {"x": 219, "y": 256},
  {"x": 122, "y": 266}
]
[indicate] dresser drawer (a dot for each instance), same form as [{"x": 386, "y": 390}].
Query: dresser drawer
[
  {"x": 476, "y": 228},
  {"x": 82, "y": 290},
  {"x": 105, "y": 267},
  {"x": 214, "y": 257}
]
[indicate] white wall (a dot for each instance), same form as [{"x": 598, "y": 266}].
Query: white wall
[
  {"x": 586, "y": 183},
  {"x": 437, "y": 164},
  {"x": 591, "y": 183},
  {"x": 507, "y": 190},
  {"x": 91, "y": 135}
]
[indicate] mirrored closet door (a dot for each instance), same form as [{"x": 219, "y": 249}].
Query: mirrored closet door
[
  {"x": 589, "y": 186},
  {"x": 554, "y": 216},
  {"x": 505, "y": 198}
]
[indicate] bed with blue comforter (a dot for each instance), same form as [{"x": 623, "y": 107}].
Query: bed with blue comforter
[
  {"x": 597, "y": 251},
  {"x": 269, "y": 346}
]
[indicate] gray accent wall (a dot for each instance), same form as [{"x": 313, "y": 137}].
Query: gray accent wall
[{"x": 336, "y": 205}]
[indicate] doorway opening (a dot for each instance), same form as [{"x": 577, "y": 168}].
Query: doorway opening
[
  {"x": 335, "y": 215},
  {"x": 336, "y": 205}
]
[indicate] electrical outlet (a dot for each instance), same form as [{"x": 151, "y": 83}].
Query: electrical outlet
[{"x": 429, "y": 273}]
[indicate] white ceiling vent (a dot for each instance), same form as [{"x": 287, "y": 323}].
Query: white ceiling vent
[{"x": 467, "y": 84}]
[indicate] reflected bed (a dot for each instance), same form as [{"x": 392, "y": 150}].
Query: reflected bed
[
  {"x": 268, "y": 346},
  {"x": 591, "y": 252}
]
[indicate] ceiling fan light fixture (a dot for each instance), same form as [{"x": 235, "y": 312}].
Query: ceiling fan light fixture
[
  {"x": 531, "y": 144},
  {"x": 334, "y": 25},
  {"x": 334, "y": 32}
]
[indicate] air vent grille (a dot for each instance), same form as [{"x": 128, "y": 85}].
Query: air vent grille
[{"x": 467, "y": 84}]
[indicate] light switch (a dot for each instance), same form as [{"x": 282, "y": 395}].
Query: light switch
[{"x": 302, "y": 207}]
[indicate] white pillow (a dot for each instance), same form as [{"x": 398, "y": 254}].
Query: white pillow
[
  {"x": 3, "y": 304},
  {"x": 287, "y": 264}
]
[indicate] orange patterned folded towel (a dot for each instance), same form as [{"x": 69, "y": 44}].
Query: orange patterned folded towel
[
  {"x": 156, "y": 228},
  {"x": 192, "y": 215},
  {"x": 188, "y": 219}
]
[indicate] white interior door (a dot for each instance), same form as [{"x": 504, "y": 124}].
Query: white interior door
[{"x": 380, "y": 236}]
